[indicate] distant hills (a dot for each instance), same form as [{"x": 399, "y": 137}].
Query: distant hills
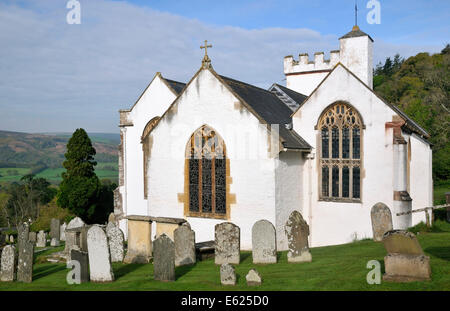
[{"x": 39, "y": 152}]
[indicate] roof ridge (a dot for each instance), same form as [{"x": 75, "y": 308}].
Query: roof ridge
[{"x": 254, "y": 86}]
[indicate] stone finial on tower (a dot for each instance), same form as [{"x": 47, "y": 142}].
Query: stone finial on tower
[{"x": 206, "y": 62}]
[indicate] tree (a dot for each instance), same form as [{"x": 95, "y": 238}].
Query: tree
[{"x": 80, "y": 188}]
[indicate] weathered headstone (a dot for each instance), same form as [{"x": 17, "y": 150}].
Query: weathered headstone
[
  {"x": 25, "y": 264},
  {"x": 11, "y": 238},
  {"x": 73, "y": 239},
  {"x": 253, "y": 278},
  {"x": 381, "y": 221},
  {"x": 99, "y": 256},
  {"x": 23, "y": 232},
  {"x": 264, "y": 242},
  {"x": 115, "y": 240},
  {"x": 112, "y": 218},
  {"x": 139, "y": 247},
  {"x": 164, "y": 258},
  {"x": 8, "y": 264},
  {"x": 41, "y": 239},
  {"x": 227, "y": 243},
  {"x": 297, "y": 232},
  {"x": 54, "y": 242},
  {"x": 184, "y": 239},
  {"x": 32, "y": 237},
  {"x": 405, "y": 261},
  {"x": 55, "y": 227},
  {"x": 83, "y": 260},
  {"x": 62, "y": 232},
  {"x": 227, "y": 274}
]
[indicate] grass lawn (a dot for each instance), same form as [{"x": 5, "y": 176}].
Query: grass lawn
[
  {"x": 10, "y": 174},
  {"x": 439, "y": 193},
  {"x": 341, "y": 267}
]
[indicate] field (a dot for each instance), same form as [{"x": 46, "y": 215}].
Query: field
[{"x": 341, "y": 268}]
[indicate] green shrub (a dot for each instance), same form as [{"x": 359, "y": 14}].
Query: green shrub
[{"x": 46, "y": 213}]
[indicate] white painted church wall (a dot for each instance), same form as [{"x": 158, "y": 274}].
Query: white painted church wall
[
  {"x": 207, "y": 101},
  {"x": 337, "y": 223},
  {"x": 154, "y": 101},
  {"x": 289, "y": 191},
  {"x": 421, "y": 179},
  {"x": 305, "y": 83}
]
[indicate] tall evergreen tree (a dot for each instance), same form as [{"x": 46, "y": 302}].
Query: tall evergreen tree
[{"x": 80, "y": 188}]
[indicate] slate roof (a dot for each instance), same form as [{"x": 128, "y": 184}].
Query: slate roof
[
  {"x": 289, "y": 97},
  {"x": 269, "y": 108},
  {"x": 356, "y": 32},
  {"x": 175, "y": 85}
]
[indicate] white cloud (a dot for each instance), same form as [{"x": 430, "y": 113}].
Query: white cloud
[{"x": 57, "y": 77}]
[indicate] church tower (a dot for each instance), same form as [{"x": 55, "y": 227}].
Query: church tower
[{"x": 355, "y": 53}]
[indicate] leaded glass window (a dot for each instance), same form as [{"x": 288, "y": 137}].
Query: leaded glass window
[
  {"x": 207, "y": 174},
  {"x": 340, "y": 155}
]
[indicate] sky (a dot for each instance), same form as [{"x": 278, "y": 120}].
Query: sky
[{"x": 56, "y": 77}]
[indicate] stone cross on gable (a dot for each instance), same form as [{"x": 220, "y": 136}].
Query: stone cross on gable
[{"x": 206, "y": 62}]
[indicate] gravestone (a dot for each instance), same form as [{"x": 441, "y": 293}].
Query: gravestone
[
  {"x": 139, "y": 247},
  {"x": 227, "y": 274},
  {"x": 11, "y": 238},
  {"x": 164, "y": 258},
  {"x": 227, "y": 243},
  {"x": 184, "y": 239},
  {"x": 23, "y": 233},
  {"x": 112, "y": 218},
  {"x": 264, "y": 242},
  {"x": 8, "y": 264},
  {"x": 405, "y": 261},
  {"x": 381, "y": 221},
  {"x": 99, "y": 256},
  {"x": 62, "y": 232},
  {"x": 83, "y": 259},
  {"x": 54, "y": 242},
  {"x": 115, "y": 240},
  {"x": 253, "y": 278},
  {"x": 41, "y": 239},
  {"x": 73, "y": 236},
  {"x": 32, "y": 237},
  {"x": 55, "y": 227},
  {"x": 297, "y": 232},
  {"x": 25, "y": 263}
]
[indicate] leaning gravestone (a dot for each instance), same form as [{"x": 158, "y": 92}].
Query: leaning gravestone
[
  {"x": 41, "y": 239},
  {"x": 32, "y": 237},
  {"x": 83, "y": 260},
  {"x": 8, "y": 264},
  {"x": 25, "y": 264},
  {"x": 381, "y": 221},
  {"x": 184, "y": 239},
  {"x": 164, "y": 258},
  {"x": 99, "y": 256},
  {"x": 264, "y": 242},
  {"x": 253, "y": 278},
  {"x": 227, "y": 243},
  {"x": 62, "y": 232},
  {"x": 297, "y": 232},
  {"x": 115, "y": 240},
  {"x": 405, "y": 261},
  {"x": 227, "y": 274},
  {"x": 55, "y": 227},
  {"x": 23, "y": 233}
]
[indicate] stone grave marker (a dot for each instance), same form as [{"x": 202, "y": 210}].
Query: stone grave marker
[
  {"x": 381, "y": 220},
  {"x": 55, "y": 228},
  {"x": 184, "y": 239},
  {"x": 227, "y": 243},
  {"x": 227, "y": 274},
  {"x": 264, "y": 242},
  {"x": 99, "y": 256},
  {"x": 164, "y": 258},
  {"x": 32, "y": 237},
  {"x": 25, "y": 263},
  {"x": 83, "y": 259},
  {"x": 41, "y": 239},
  {"x": 253, "y": 278},
  {"x": 115, "y": 240},
  {"x": 297, "y": 232},
  {"x": 8, "y": 264},
  {"x": 62, "y": 232}
]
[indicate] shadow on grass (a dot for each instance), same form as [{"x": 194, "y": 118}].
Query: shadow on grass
[
  {"x": 41, "y": 272},
  {"x": 182, "y": 270},
  {"x": 442, "y": 252},
  {"x": 245, "y": 255},
  {"x": 125, "y": 269}
]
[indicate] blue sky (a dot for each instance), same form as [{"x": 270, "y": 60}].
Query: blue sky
[{"x": 57, "y": 77}]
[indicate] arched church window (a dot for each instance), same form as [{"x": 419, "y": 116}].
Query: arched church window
[
  {"x": 145, "y": 141},
  {"x": 207, "y": 167},
  {"x": 340, "y": 129}
]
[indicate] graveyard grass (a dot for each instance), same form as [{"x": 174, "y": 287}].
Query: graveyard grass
[{"x": 341, "y": 267}]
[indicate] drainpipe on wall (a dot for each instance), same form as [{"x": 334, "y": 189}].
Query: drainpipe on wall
[{"x": 310, "y": 158}]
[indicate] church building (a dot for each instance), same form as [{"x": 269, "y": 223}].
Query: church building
[{"x": 216, "y": 149}]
